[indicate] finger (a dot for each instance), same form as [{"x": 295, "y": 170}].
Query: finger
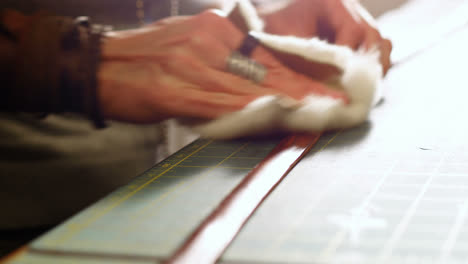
[
  {"x": 372, "y": 39},
  {"x": 317, "y": 71},
  {"x": 209, "y": 50},
  {"x": 384, "y": 46},
  {"x": 351, "y": 36},
  {"x": 206, "y": 104},
  {"x": 175, "y": 97},
  {"x": 221, "y": 28},
  {"x": 318, "y": 88},
  {"x": 204, "y": 64},
  {"x": 277, "y": 73},
  {"x": 385, "y": 51},
  {"x": 215, "y": 54},
  {"x": 288, "y": 82},
  {"x": 298, "y": 86},
  {"x": 215, "y": 80}
]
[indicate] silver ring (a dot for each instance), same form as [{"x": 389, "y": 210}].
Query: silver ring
[{"x": 245, "y": 67}]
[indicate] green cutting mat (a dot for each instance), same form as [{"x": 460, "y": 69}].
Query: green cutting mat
[
  {"x": 392, "y": 191},
  {"x": 150, "y": 217}
]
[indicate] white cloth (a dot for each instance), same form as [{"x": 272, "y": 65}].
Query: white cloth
[{"x": 361, "y": 76}]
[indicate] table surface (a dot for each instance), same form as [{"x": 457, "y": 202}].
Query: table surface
[{"x": 392, "y": 190}]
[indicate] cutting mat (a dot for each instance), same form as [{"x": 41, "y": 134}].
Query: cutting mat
[
  {"x": 149, "y": 218},
  {"x": 394, "y": 190}
]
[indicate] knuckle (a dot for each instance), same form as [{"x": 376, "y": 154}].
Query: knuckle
[
  {"x": 199, "y": 39},
  {"x": 388, "y": 44},
  {"x": 375, "y": 34},
  {"x": 373, "y": 39},
  {"x": 176, "y": 58},
  {"x": 358, "y": 30},
  {"x": 202, "y": 43},
  {"x": 209, "y": 18},
  {"x": 385, "y": 47}
]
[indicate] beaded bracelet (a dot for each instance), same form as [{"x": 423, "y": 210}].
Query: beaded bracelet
[{"x": 81, "y": 94}]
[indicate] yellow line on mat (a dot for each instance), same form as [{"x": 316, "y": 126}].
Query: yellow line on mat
[
  {"x": 102, "y": 212},
  {"x": 151, "y": 206}
]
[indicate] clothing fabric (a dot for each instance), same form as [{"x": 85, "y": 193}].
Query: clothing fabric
[{"x": 54, "y": 166}]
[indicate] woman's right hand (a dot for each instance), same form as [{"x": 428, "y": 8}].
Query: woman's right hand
[{"x": 176, "y": 67}]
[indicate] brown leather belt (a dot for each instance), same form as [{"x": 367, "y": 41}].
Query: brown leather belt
[{"x": 210, "y": 239}]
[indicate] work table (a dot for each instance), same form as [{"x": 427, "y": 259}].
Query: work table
[{"x": 394, "y": 189}]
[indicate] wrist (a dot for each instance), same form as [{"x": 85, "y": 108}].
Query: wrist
[
  {"x": 111, "y": 45},
  {"x": 105, "y": 85}
]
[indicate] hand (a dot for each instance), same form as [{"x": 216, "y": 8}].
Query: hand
[
  {"x": 343, "y": 22},
  {"x": 176, "y": 68}
]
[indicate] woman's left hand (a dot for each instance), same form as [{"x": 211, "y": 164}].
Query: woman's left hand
[{"x": 343, "y": 22}]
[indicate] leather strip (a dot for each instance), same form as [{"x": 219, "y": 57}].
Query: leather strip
[
  {"x": 211, "y": 238},
  {"x": 11, "y": 256}
]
